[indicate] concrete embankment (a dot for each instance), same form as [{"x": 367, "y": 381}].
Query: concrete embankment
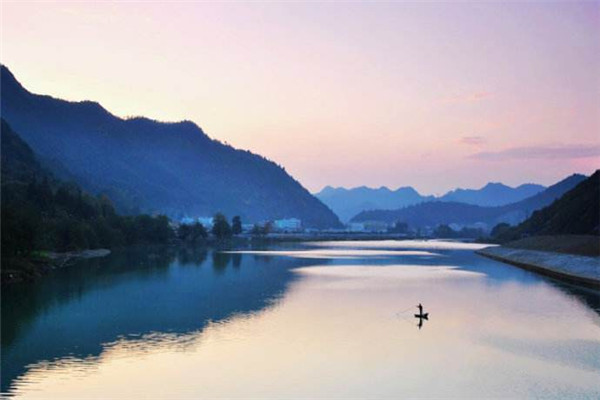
[{"x": 581, "y": 270}]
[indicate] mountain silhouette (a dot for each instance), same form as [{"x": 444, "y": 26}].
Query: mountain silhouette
[
  {"x": 433, "y": 213},
  {"x": 493, "y": 194},
  {"x": 577, "y": 212},
  {"x": 347, "y": 203},
  {"x": 156, "y": 167}
]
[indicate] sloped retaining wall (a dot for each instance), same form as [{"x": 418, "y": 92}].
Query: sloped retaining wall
[{"x": 575, "y": 269}]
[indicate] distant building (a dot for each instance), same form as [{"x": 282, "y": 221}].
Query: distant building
[
  {"x": 288, "y": 225},
  {"x": 375, "y": 226}
]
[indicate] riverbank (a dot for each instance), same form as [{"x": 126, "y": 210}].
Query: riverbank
[
  {"x": 24, "y": 269},
  {"x": 572, "y": 268}
]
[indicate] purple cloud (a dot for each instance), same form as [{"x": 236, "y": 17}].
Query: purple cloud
[{"x": 541, "y": 152}]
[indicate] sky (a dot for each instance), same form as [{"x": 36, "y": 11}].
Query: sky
[{"x": 431, "y": 95}]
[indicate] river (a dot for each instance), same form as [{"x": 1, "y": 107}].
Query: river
[{"x": 323, "y": 319}]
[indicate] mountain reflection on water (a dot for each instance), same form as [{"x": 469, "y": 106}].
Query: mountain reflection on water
[
  {"x": 74, "y": 312},
  {"x": 297, "y": 321}
]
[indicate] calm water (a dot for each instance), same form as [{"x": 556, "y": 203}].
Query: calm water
[{"x": 314, "y": 320}]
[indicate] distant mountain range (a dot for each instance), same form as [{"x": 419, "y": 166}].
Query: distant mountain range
[
  {"x": 493, "y": 194},
  {"x": 155, "y": 167},
  {"x": 433, "y": 213},
  {"x": 347, "y": 203}
]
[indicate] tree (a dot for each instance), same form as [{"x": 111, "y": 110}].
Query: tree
[
  {"x": 399, "y": 227},
  {"x": 221, "y": 228},
  {"x": 161, "y": 230},
  {"x": 106, "y": 206},
  {"x": 258, "y": 230},
  {"x": 184, "y": 231},
  {"x": 236, "y": 225},
  {"x": 198, "y": 232},
  {"x": 444, "y": 231},
  {"x": 20, "y": 229},
  {"x": 268, "y": 228},
  {"x": 499, "y": 229}
]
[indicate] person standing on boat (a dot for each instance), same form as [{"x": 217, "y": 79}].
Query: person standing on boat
[{"x": 420, "y": 309}]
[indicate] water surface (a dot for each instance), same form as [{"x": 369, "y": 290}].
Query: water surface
[{"x": 330, "y": 319}]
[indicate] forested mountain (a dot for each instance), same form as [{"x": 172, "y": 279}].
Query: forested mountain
[
  {"x": 437, "y": 212},
  {"x": 493, "y": 194},
  {"x": 19, "y": 164},
  {"x": 150, "y": 166},
  {"x": 577, "y": 212},
  {"x": 40, "y": 212},
  {"x": 347, "y": 203}
]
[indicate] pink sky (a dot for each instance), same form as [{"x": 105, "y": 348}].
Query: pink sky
[{"x": 433, "y": 95}]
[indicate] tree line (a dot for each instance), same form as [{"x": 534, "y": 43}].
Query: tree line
[
  {"x": 45, "y": 215},
  {"x": 221, "y": 229}
]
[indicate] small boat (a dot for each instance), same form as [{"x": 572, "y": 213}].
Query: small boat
[{"x": 424, "y": 316}]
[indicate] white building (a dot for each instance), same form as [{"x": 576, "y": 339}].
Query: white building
[
  {"x": 375, "y": 226},
  {"x": 288, "y": 224}
]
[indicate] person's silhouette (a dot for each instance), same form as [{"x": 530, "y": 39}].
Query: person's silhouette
[{"x": 421, "y": 316}]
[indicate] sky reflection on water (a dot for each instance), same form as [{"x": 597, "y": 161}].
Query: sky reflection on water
[{"x": 278, "y": 324}]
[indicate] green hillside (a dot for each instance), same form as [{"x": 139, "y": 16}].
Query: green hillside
[
  {"x": 41, "y": 213},
  {"x": 577, "y": 212}
]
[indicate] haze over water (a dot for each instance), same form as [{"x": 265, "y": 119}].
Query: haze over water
[{"x": 314, "y": 320}]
